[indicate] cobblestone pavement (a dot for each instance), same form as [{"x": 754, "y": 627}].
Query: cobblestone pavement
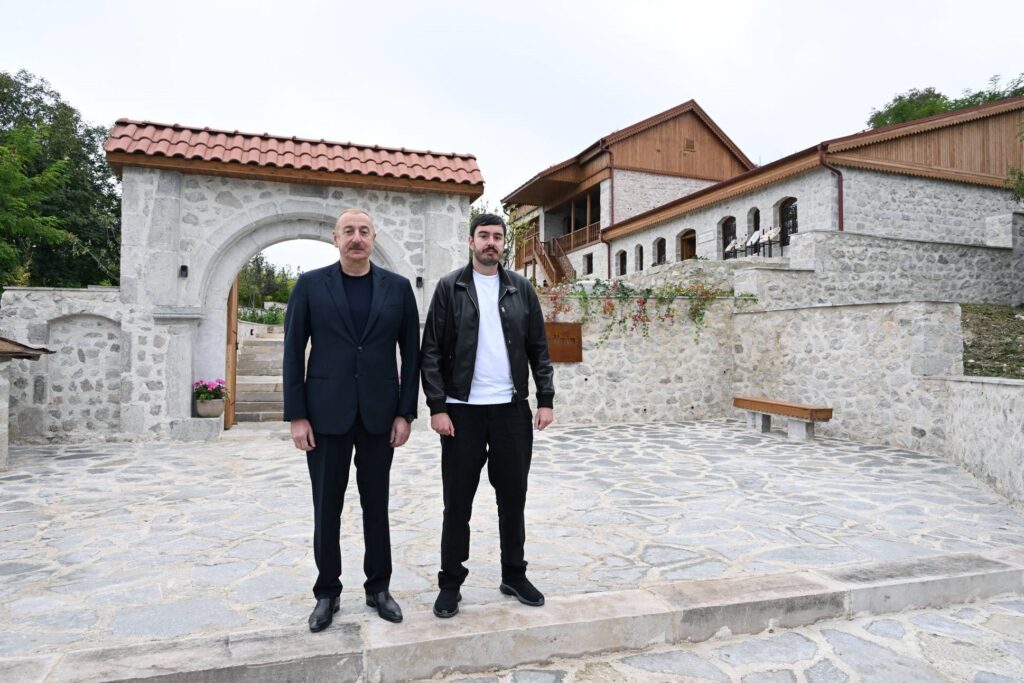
[
  {"x": 122, "y": 543},
  {"x": 978, "y": 643}
]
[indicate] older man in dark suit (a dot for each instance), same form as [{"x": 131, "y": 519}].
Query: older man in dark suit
[{"x": 351, "y": 395}]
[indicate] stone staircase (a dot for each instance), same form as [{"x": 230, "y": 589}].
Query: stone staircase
[{"x": 258, "y": 389}]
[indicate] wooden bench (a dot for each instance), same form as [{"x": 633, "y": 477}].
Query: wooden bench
[{"x": 801, "y": 417}]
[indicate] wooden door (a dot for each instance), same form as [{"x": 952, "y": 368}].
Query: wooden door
[{"x": 231, "y": 355}]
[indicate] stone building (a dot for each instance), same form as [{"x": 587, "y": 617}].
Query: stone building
[
  {"x": 935, "y": 181},
  {"x": 196, "y": 205}
]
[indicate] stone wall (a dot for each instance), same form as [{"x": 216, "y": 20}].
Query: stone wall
[
  {"x": 673, "y": 374},
  {"x": 814, "y": 190},
  {"x": 636, "y": 191},
  {"x": 984, "y": 423},
  {"x": 829, "y": 267},
  {"x": 107, "y": 366},
  {"x": 866, "y": 362},
  {"x": 894, "y": 205}
]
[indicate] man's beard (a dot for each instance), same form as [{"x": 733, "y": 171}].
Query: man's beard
[{"x": 487, "y": 258}]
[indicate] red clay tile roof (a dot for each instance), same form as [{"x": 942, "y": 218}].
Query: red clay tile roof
[{"x": 232, "y": 147}]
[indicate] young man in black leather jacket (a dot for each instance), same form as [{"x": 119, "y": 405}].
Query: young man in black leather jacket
[{"x": 484, "y": 333}]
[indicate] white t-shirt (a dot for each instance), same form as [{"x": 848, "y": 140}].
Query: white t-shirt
[{"x": 492, "y": 374}]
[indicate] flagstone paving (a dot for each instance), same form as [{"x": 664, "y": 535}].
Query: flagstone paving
[
  {"x": 106, "y": 544},
  {"x": 979, "y": 643}
]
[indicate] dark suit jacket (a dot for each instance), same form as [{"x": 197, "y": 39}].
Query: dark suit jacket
[{"x": 347, "y": 376}]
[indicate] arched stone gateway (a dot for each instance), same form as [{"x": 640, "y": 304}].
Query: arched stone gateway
[{"x": 196, "y": 206}]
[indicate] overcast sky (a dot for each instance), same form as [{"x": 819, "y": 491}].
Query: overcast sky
[{"x": 520, "y": 85}]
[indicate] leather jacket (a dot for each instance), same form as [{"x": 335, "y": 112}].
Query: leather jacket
[{"x": 448, "y": 353}]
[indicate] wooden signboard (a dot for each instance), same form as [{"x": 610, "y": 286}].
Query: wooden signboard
[{"x": 565, "y": 342}]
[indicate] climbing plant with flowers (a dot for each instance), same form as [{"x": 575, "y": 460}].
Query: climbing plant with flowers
[{"x": 635, "y": 309}]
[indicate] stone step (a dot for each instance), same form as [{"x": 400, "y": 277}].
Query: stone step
[
  {"x": 259, "y": 383},
  {"x": 249, "y": 396},
  {"x": 261, "y": 372},
  {"x": 258, "y": 406},
  {"x": 257, "y": 341},
  {"x": 504, "y": 635},
  {"x": 260, "y": 354},
  {"x": 269, "y": 416},
  {"x": 247, "y": 366}
]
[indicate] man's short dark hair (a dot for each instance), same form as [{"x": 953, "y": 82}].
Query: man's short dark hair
[{"x": 487, "y": 219}]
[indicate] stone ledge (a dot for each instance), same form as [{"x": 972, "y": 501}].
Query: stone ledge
[
  {"x": 507, "y": 634},
  {"x": 970, "y": 379}
]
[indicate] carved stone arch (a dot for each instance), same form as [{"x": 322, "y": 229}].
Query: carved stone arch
[
  {"x": 686, "y": 244},
  {"x": 233, "y": 255}
]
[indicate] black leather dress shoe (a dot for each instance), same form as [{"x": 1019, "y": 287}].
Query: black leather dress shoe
[
  {"x": 387, "y": 608},
  {"x": 322, "y": 614},
  {"x": 447, "y": 603}
]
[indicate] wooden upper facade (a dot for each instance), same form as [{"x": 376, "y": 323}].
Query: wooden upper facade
[{"x": 682, "y": 141}]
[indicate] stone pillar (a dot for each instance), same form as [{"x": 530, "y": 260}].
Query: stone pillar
[
  {"x": 446, "y": 228},
  {"x": 5, "y": 396}
]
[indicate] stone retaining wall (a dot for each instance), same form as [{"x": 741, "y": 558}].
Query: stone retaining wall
[
  {"x": 673, "y": 374},
  {"x": 984, "y": 422}
]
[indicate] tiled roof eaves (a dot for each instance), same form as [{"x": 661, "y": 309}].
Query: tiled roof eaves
[{"x": 192, "y": 144}]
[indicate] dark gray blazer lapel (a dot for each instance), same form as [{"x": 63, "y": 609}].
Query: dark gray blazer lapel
[
  {"x": 377, "y": 298},
  {"x": 337, "y": 291}
]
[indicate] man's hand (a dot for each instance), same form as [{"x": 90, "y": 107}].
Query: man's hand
[
  {"x": 302, "y": 434},
  {"x": 400, "y": 429},
  {"x": 543, "y": 418},
  {"x": 442, "y": 424}
]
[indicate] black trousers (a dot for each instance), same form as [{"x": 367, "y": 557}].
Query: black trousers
[
  {"x": 329, "y": 465},
  {"x": 502, "y": 436}
]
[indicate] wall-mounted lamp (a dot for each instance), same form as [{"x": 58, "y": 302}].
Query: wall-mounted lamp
[
  {"x": 183, "y": 271},
  {"x": 419, "y": 282}
]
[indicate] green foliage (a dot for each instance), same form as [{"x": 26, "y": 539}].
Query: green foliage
[
  {"x": 24, "y": 223},
  {"x": 917, "y": 104},
  {"x": 1015, "y": 178},
  {"x": 74, "y": 190},
  {"x": 631, "y": 309},
  {"x": 993, "y": 340},
  {"x": 261, "y": 281},
  {"x": 269, "y": 316}
]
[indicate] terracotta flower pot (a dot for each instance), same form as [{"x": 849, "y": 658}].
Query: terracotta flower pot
[{"x": 213, "y": 407}]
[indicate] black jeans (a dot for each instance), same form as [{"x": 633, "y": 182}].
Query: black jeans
[
  {"x": 329, "y": 465},
  {"x": 502, "y": 436}
]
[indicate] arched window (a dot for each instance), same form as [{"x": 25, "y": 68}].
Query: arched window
[
  {"x": 659, "y": 251},
  {"x": 638, "y": 258},
  {"x": 787, "y": 219},
  {"x": 753, "y": 221},
  {"x": 620, "y": 259},
  {"x": 686, "y": 245},
  {"x": 727, "y": 228}
]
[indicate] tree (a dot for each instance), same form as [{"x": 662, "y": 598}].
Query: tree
[
  {"x": 917, "y": 104},
  {"x": 82, "y": 199},
  {"x": 260, "y": 281},
  {"x": 24, "y": 223}
]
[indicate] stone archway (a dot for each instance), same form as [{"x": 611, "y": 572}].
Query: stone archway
[
  {"x": 224, "y": 266},
  {"x": 196, "y": 205}
]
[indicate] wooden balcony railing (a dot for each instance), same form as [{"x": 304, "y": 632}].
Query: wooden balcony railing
[
  {"x": 564, "y": 269},
  {"x": 580, "y": 238}
]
